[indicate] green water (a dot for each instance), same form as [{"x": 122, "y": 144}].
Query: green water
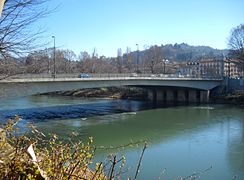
[{"x": 181, "y": 140}]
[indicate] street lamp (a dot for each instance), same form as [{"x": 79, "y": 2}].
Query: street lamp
[
  {"x": 164, "y": 63},
  {"x": 54, "y": 58},
  {"x": 137, "y": 59}
]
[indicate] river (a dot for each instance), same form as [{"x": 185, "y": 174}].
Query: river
[{"x": 182, "y": 140}]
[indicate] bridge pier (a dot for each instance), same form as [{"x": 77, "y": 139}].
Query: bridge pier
[
  {"x": 204, "y": 96},
  {"x": 182, "y": 96},
  {"x": 151, "y": 95},
  {"x": 170, "y": 96},
  {"x": 160, "y": 95},
  {"x": 178, "y": 95},
  {"x": 192, "y": 98}
]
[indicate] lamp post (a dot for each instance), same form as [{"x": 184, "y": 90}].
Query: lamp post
[
  {"x": 164, "y": 63},
  {"x": 137, "y": 59},
  {"x": 54, "y": 58}
]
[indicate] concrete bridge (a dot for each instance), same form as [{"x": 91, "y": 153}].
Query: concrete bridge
[{"x": 159, "y": 88}]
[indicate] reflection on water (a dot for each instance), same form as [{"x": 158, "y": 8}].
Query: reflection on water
[
  {"x": 183, "y": 140},
  {"x": 236, "y": 145}
]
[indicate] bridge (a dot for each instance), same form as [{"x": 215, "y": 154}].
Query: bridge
[{"x": 159, "y": 88}]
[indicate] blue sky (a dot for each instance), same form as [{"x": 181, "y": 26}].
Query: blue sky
[{"x": 82, "y": 25}]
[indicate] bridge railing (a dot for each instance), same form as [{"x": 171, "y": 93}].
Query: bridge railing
[{"x": 109, "y": 75}]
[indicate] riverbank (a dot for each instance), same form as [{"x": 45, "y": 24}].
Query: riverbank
[
  {"x": 135, "y": 93},
  {"x": 109, "y": 92},
  {"x": 236, "y": 98}
]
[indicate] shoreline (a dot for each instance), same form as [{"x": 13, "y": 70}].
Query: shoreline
[
  {"x": 108, "y": 93},
  {"x": 135, "y": 93}
]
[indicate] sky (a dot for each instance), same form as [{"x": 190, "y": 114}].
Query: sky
[{"x": 106, "y": 25}]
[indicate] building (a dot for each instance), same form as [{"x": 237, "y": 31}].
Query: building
[
  {"x": 211, "y": 67},
  {"x": 232, "y": 68},
  {"x": 218, "y": 67}
]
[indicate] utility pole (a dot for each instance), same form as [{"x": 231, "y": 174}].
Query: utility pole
[
  {"x": 137, "y": 59},
  {"x": 54, "y": 58}
]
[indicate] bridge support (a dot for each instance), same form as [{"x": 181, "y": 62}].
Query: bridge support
[
  {"x": 151, "y": 95},
  {"x": 160, "y": 95},
  {"x": 204, "y": 96},
  {"x": 182, "y": 96},
  {"x": 192, "y": 97},
  {"x": 178, "y": 95},
  {"x": 169, "y": 95}
]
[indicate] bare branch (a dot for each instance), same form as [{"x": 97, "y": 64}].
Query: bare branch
[
  {"x": 236, "y": 44},
  {"x": 139, "y": 163},
  {"x": 17, "y": 36}
]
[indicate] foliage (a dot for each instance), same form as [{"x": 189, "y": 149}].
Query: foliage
[{"x": 31, "y": 155}]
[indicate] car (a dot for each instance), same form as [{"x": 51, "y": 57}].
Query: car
[{"x": 84, "y": 75}]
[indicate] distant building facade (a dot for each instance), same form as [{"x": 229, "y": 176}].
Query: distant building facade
[
  {"x": 232, "y": 68},
  {"x": 211, "y": 67},
  {"x": 217, "y": 67}
]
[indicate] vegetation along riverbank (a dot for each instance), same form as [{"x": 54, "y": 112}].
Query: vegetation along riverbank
[{"x": 108, "y": 92}]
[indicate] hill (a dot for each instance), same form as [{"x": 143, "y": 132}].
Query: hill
[{"x": 185, "y": 52}]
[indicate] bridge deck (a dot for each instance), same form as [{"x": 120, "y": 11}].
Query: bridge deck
[{"x": 28, "y": 86}]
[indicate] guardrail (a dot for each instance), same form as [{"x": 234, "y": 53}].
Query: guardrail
[{"x": 109, "y": 75}]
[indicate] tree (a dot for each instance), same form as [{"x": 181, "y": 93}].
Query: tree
[
  {"x": 11, "y": 66},
  {"x": 236, "y": 44},
  {"x": 119, "y": 60},
  {"x": 38, "y": 62},
  {"x": 84, "y": 56},
  {"x": 69, "y": 57},
  {"x": 128, "y": 59},
  {"x": 153, "y": 59},
  {"x": 16, "y": 35},
  {"x": 86, "y": 62}
]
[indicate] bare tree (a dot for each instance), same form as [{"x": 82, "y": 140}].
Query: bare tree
[
  {"x": 11, "y": 66},
  {"x": 38, "y": 62},
  {"x": 153, "y": 58},
  {"x": 83, "y": 55},
  {"x": 85, "y": 64},
  {"x": 119, "y": 60},
  {"x": 16, "y": 35},
  {"x": 69, "y": 57},
  {"x": 128, "y": 59},
  {"x": 236, "y": 44},
  {"x": 104, "y": 65}
]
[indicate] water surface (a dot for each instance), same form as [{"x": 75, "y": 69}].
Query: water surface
[{"x": 181, "y": 140}]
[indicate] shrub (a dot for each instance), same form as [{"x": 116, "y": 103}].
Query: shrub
[{"x": 25, "y": 156}]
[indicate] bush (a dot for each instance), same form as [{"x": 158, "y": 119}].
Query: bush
[
  {"x": 32, "y": 155},
  {"x": 25, "y": 156}
]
